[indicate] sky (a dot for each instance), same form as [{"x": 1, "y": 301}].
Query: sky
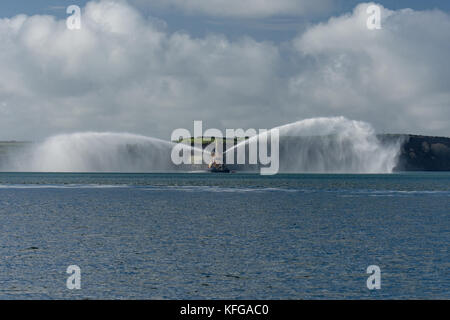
[{"x": 149, "y": 67}]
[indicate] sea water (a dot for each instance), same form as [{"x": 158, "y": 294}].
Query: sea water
[{"x": 224, "y": 236}]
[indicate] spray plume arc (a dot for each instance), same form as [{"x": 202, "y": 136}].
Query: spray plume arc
[{"x": 321, "y": 145}]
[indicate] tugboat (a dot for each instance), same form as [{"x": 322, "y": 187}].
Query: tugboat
[{"x": 216, "y": 165}]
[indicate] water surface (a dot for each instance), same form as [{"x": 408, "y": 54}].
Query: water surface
[{"x": 231, "y": 236}]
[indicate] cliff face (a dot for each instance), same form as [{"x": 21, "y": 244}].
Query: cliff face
[{"x": 422, "y": 153}]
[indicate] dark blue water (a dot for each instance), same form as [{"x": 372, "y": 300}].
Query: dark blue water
[{"x": 235, "y": 236}]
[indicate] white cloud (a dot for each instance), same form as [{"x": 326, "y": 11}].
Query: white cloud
[
  {"x": 122, "y": 72},
  {"x": 397, "y": 77}
]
